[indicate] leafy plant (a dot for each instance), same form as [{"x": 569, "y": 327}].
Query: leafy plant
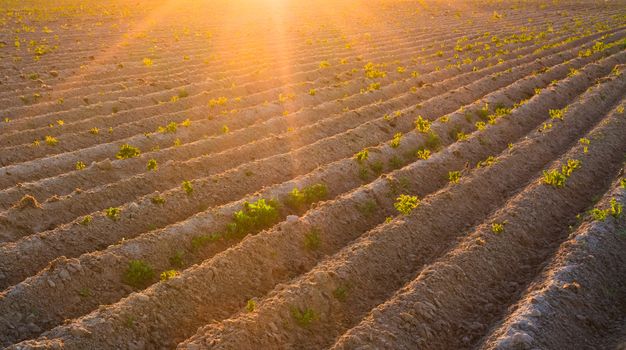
[
  {"x": 158, "y": 199},
  {"x": 51, "y": 140},
  {"x": 585, "y": 143},
  {"x": 80, "y": 165},
  {"x": 599, "y": 214},
  {"x": 254, "y": 216},
  {"x": 113, "y": 213},
  {"x": 406, "y": 203},
  {"x": 168, "y": 274},
  {"x": 86, "y": 220},
  {"x": 152, "y": 164},
  {"x": 557, "y": 178},
  {"x": 187, "y": 187},
  {"x": 497, "y": 228},
  {"x": 250, "y": 305},
  {"x": 127, "y": 151},
  {"x": 362, "y": 155},
  {"x": 622, "y": 183},
  {"x": 422, "y": 125},
  {"x": 138, "y": 274},
  {"x": 454, "y": 176},
  {"x": 557, "y": 114},
  {"x": 491, "y": 160},
  {"x": 303, "y": 317},
  {"x": 423, "y": 154},
  {"x": 395, "y": 142},
  {"x": 616, "y": 208},
  {"x": 302, "y": 199}
]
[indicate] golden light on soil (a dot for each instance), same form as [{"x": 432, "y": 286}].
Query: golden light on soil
[{"x": 276, "y": 174}]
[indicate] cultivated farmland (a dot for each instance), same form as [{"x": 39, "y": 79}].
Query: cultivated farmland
[{"x": 351, "y": 174}]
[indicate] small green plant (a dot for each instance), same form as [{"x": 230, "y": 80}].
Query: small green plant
[
  {"x": 422, "y": 125},
  {"x": 113, "y": 213},
  {"x": 461, "y": 136},
  {"x": 138, "y": 274},
  {"x": 302, "y": 199},
  {"x": 585, "y": 143},
  {"x": 51, "y": 141},
  {"x": 395, "y": 142},
  {"x": 497, "y": 228},
  {"x": 599, "y": 214},
  {"x": 94, "y": 131},
  {"x": 558, "y": 178},
  {"x": 187, "y": 187},
  {"x": 254, "y": 216},
  {"x": 85, "y": 292},
  {"x": 622, "y": 183},
  {"x": 491, "y": 160},
  {"x": 80, "y": 165},
  {"x": 362, "y": 155},
  {"x": 616, "y": 208},
  {"x": 312, "y": 239},
  {"x": 168, "y": 274},
  {"x": 406, "y": 203},
  {"x": 303, "y": 318},
  {"x": 87, "y": 219},
  {"x": 171, "y": 128},
  {"x": 423, "y": 154},
  {"x": 250, "y": 305},
  {"x": 454, "y": 176},
  {"x": 152, "y": 164},
  {"x": 127, "y": 151},
  {"x": 557, "y": 114},
  {"x": 158, "y": 199}
]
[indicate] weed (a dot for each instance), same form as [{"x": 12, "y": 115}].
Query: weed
[
  {"x": 312, "y": 239},
  {"x": 362, "y": 155},
  {"x": 138, "y": 274},
  {"x": 423, "y": 154},
  {"x": 599, "y": 214},
  {"x": 622, "y": 183},
  {"x": 160, "y": 200},
  {"x": 127, "y": 151},
  {"x": 454, "y": 176},
  {"x": 87, "y": 219},
  {"x": 405, "y": 204},
  {"x": 250, "y": 305},
  {"x": 302, "y": 199},
  {"x": 152, "y": 164},
  {"x": 303, "y": 317},
  {"x": 113, "y": 213},
  {"x": 491, "y": 160},
  {"x": 395, "y": 142},
  {"x": 422, "y": 125},
  {"x": 51, "y": 140},
  {"x": 616, "y": 208},
  {"x": 168, "y": 274},
  {"x": 395, "y": 162},
  {"x": 557, "y": 114},
  {"x": 84, "y": 292},
  {"x": 254, "y": 216},
  {"x": 497, "y": 228},
  {"x": 585, "y": 143},
  {"x": 187, "y": 187}
]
